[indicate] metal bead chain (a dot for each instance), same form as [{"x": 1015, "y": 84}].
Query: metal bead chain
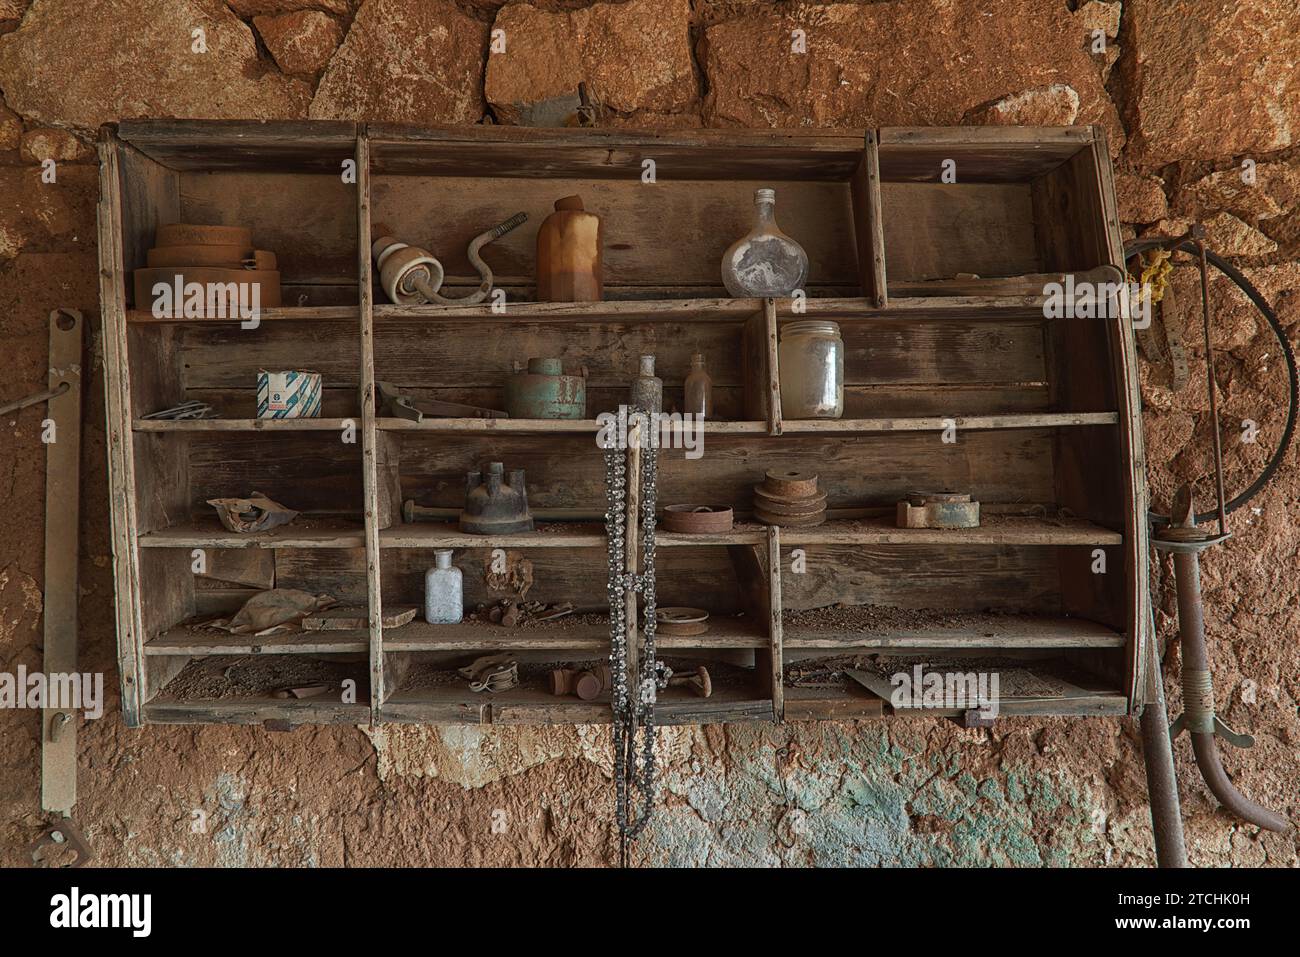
[{"x": 632, "y": 711}]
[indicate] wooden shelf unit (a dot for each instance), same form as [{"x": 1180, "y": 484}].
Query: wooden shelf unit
[{"x": 1045, "y": 410}]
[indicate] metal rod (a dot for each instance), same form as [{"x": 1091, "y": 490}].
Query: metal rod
[
  {"x": 1162, "y": 782},
  {"x": 33, "y": 399},
  {"x": 1196, "y": 661}
]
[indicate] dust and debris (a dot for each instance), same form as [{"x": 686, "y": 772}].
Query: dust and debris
[
  {"x": 516, "y": 577},
  {"x": 252, "y": 676}
]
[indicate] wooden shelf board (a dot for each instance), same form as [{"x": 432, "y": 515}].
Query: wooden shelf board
[
  {"x": 818, "y": 704},
  {"x": 1036, "y": 420},
  {"x": 447, "y": 535},
  {"x": 277, "y": 314},
  {"x": 1030, "y": 420},
  {"x": 705, "y": 309},
  {"x": 183, "y": 641},
  {"x": 996, "y": 530},
  {"x": 534, "y": 705},
  {"x": 848, "y": 309},
  {"x": 310, "y": 533},
  {"x": 242, "y": 425},
  {"x": 822, "y": 704},
  {"x": 529, "y": 426},
  {"x": 477, "y": 426},
  {"x": 476, "y": 636},
  {"x": 622, "y": 311},
  {"x": 953, "y": 631},
  {"x": 255, "y": 710}
]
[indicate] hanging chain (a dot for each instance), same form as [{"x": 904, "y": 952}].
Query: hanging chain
[{"x": 633, "y": 707}]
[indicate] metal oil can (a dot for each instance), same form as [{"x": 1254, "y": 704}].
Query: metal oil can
[{"x": 545, "y": 392}]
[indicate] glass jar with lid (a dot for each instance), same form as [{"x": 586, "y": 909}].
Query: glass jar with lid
[{"x": 811, "y": 359}]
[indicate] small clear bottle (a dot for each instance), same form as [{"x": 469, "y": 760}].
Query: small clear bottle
[
  {"x": 811, "y": 359},
  {"x": 699, "y": 389},
  {"x": 647, "y": 391},
  {"x": 443, "y": 600}
]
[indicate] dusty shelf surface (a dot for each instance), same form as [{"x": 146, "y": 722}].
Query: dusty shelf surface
[
  {"x": 243, "y": 689},
  {"x": 589, "y": 632},
  {"x": 995, "y": 529},
  {"x": 193, "y": 638},
  {"x": 1024, "y": 686},
  {"x": 434, "y": 694},
  {"x": 305, "y": 531},
  {"x": 245, "y": 425},
  {"x": 880, "y": 626}
]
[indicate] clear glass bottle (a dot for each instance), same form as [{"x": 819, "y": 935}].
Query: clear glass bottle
[
  {"x": 699, "y": 389},
  {"x": 647, "y": 391},
  {"x": 766, "y": 262},
  {"x": 443, "y": 600},
  {"x": 811, "y": 360}
]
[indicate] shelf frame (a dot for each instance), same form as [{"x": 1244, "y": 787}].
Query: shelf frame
[{"x": 138, "y": 157}]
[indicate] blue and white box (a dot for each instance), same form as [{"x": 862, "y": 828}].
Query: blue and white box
[{"x": 288, "y": 395}]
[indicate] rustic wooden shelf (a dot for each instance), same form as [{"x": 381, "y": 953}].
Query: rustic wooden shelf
[
  {"x": 475, "y": 636},
  {"x": 1047, "y": 411},
  {"x": 1040, "y": 420},
  {"x": 311, "y": 533},
  {"x": 254, "y": 710},
  {"x": 851, "y": 703},
  {"x": 999, "y": 307},
  {"x": 277, "y": 314},
  {"x": 789, "y": 426},
  {"x": 543, "y": 426},
  {"x": 536, "y": 705},
  {"x": 183, "y": 641},
  {"x": 965, "y": 631},
  {"x": 243, "y": 425},
  {"x": 995, "y": 530}
]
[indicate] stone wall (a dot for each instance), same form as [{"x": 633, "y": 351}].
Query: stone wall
[{"x": 1187, "y": 89}]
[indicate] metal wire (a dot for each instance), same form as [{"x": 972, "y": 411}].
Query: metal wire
[{"x": 1189, "y": 246}]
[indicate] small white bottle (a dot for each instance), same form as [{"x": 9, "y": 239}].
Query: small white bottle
[{"x": 443, "y": 602}]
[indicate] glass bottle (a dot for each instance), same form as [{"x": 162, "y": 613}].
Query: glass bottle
[
  {"x": 766, "y": 262},
  {"x": 443, "y": 601},
  {"x": 647, "y": 391},
  {"x": 699, "y": 389},
  {"x": 811, "y": 359}
]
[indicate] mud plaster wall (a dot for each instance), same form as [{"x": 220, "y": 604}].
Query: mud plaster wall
[{"x": 1187, "y": 89}]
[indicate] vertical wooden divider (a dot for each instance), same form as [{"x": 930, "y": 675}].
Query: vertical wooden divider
[
  {"x": 369, "y": 475},
  {"x": 117, "y": 389},
  {"x": 868, "y": 224},
  {"x": 774, "y": 626},
  {"x": 773, "y": 369}
]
